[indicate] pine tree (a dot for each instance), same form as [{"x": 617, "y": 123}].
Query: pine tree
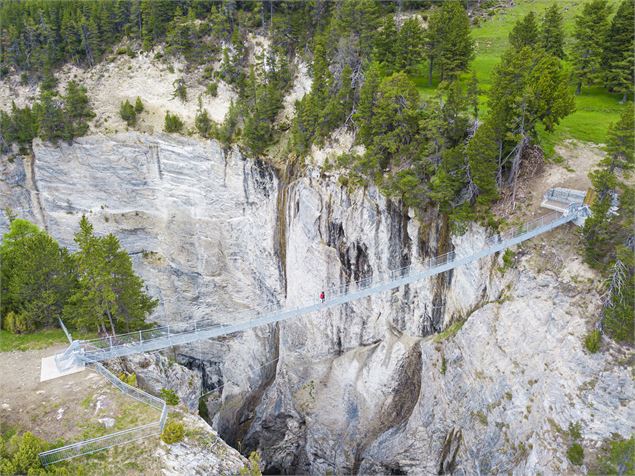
[
  {"x": 410, "y": 44},
  {"x": 127, "y": 113},
  {"x": 51, "y": 120},
  {"x": 552, "y": 32},
  {"x": 228, "y": 128},
  {"x": 394, "y": 124},
  {"x": 473, "y": 92},
  {"x": 619, "y": 54},
  {"x": 172, "y": 123},
  {"x": 138, "y": 106},
  {"x": 109, "y": 295},
  {"x": 340, "y": 104},
  {"x": 591, "y": 27},
  {"x": 482, "y": 153},
  {"x": 528, "y": 86},
  {"x": 449, "y": 178},
  {"x": 620, "y": 146},
  {"x": 549, "y": 96},
  {"x": 385, "y": 51},
  {"x": 21, "y": 126},
  {"x": 367, "y": 102},
  {"x": 450, "y": 46},
  {"x": 453, "y": 112},
  {"x": 202, "y": 122},
  {"x": 77, "y": 110},
  {"x": 525, "y": 32},
  {"x": 37, "y": 275}
]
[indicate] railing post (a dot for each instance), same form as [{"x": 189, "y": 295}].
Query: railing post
[
  {"x": 110, "y": 339},
  {"x": 140, "y": 338}
]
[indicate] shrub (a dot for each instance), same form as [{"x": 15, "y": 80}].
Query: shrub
[
  {"x": 253, "y": 468},
  {"x": 138, "y": 106},
  {"x": 575, "y": 430},
  {"x": 593, "y": 341},
  {"x": 180, "y": 90},
  {"x": 619, "y": 458},
  {"x": 575, "y": 453},
  {"x": 130, "y": 379},
  {"x": 27, "y": 447},
  {"x": 203, "y": 123},
  {"x": 170, "y": 396},
  {"x": 173, "y": 123},
  {"x": 212, "y": 89},
  {"x": 508, "y": 259},
  {"x": 173, "y": 432},
  {"x": 128, "y": 113},
  {"x": 17, "y": 323},
  {"x": 6, "y": 466}
]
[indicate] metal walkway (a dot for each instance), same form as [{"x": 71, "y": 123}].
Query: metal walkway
[{"x": 185, "y": 333}]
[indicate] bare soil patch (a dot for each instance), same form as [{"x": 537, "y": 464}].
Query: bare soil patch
[{"x": 71, "y": 408}]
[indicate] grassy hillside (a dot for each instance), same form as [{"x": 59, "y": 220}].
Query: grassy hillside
[{"x": 595, "y": 108}]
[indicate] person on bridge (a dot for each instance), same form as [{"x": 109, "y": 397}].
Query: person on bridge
[{"x": 322, "y": 296}]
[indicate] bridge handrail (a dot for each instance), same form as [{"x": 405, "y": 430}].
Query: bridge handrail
[
  {"x": 93, "y": 445},
  {"x": 105, "y": 346},
  {"x": 565, "y": 195}
]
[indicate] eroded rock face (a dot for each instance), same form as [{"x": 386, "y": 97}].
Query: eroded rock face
[
  {"x": 202, "y": 452},
  {"x": 361, "y": 388},
  {"x": 156, "y": 372}
]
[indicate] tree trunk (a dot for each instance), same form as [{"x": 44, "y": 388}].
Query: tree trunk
[
  {"x": 112, "y": 324},
  {"x": 430, "y": 67},
  {"x": 499, "y": 174},
  {"x": 578, "y": 88}
]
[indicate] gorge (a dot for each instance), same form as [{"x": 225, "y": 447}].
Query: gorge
[{"x": 478, "y": 370}]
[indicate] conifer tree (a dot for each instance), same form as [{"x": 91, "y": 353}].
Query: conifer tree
[
  {"x": 138, "y": 106},
  {"x": 549, "y": 97},
  {"x": 552, "y": 32},
  {"x": 77, "y": 110},
  {"x": 228, "y": 128},
  {"x": 473, "y": 92},
  {"x": 385, "y": 50},
  {"x": 525, "y": 32},
  {"x": 410, "y": 43},
  {"x": 202, "y": 122},
  {"x": 37, "y": 275},
  {"x": 109, "y": 296},
  {"x": 591, "y": 27},
  {"x": 482, "y": 151},
  {"x": 395, "y": 123},
  {"x": 50, "y": 117},
  {"x": 619, "y": 50},
  {"x": 449, "y": 45},
  {"x": 620, "y": 146},
  {"x": 172, "y": 123},
  {"x": 449, "y": 178},
  {"x": 367, "y": 102},
  {"x": 127, "y": 113}
]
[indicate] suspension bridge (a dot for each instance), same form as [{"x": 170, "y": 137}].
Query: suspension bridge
[{"x": 566, "y": 205}]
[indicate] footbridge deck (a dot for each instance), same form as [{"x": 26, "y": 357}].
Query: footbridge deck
[{"x": 186, "y": 333}]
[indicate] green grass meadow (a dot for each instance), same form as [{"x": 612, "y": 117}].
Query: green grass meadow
[{"x": 595, "y": 107}]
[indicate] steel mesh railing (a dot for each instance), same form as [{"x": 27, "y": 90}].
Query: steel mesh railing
[
  {"x": 93, "y": 445},
  {"x": 175, "y": 334},
  {"x": 565, "y": 195}
]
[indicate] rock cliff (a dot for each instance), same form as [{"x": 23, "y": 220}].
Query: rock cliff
[{"x": 368, "y": 387}]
